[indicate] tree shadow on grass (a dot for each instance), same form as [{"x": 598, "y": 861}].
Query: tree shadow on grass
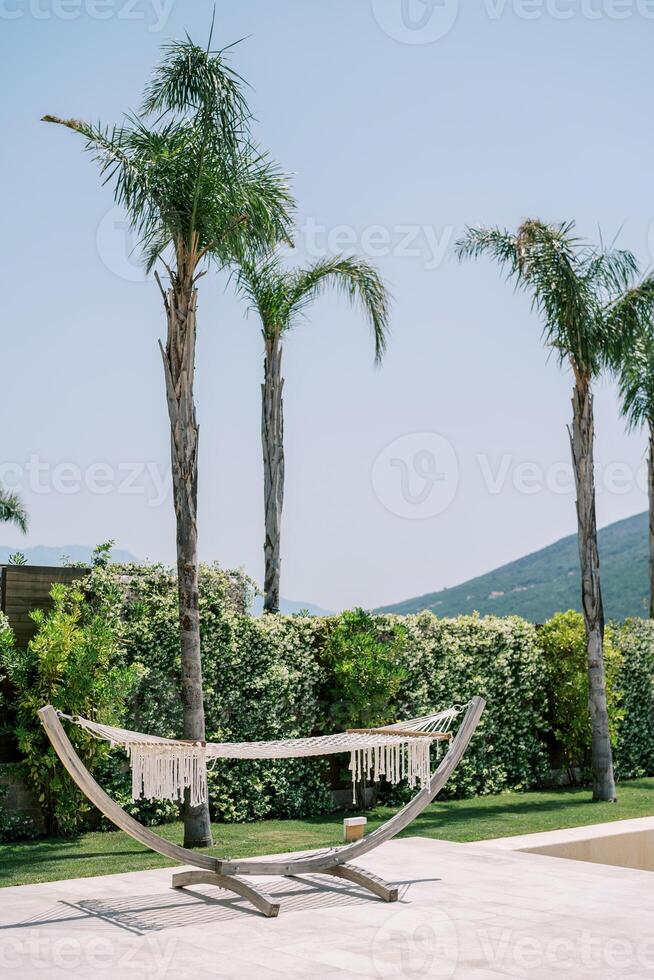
[
  {"x": 493, "y": 816},
  {"x": 571, "y": 800},
  {"x": 15, "y": 860}
]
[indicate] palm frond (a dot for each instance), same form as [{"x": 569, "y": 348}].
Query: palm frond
[
  {"x": 107, "y": 145},
  {"x": 353, "y": 278},
  {"x": 12, "y": 510},
  {"x": 583, "y": 295},
  {"x": 628, "y": 320},
  {"x": 497, "y": 243},
  {"x": 193, "y": 178},
  {"x": 636, "y": 382},
  {"x": 257, "y": 212},
  {"x": 266, "y": 286},
  {"x": 281, "y": 296},
  {"x": 612, "y": 271},
  {"x": 552, "y": 262},
  {"x": 192, "y": 78}
]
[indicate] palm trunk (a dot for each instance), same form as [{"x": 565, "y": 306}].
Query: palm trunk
[
  {"x": 650, "y": 483},
  {"x": 179, "y": 368},
  {"x": 361, "y": 801},
  {"x": 581, "y": 440},
  {"x": 272, "y": 439}
]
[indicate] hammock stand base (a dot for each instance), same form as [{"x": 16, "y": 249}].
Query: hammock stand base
[
  {"x": 227, "y": 874},
  {"x": 257, "y": 898},
  {"x": 270, "y": 908}
]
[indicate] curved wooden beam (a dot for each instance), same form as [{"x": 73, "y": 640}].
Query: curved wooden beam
[
  {"x": 260, "y": 901},
  {"x": 341, "y": 855},
  {"x": 83, "y": 778},
  {"x": 364, "y": 879}
]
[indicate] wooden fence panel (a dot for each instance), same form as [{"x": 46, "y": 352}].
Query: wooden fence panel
[{"x": 24, "y": 588}]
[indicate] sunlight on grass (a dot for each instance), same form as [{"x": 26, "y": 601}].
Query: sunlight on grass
[{"x": 461, "y": 821}]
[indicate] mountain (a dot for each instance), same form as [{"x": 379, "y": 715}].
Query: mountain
[
  {"x": 42, "y": 554},
  {"x": 548, "y": 581},
  {"x": 288, "y": 607}
]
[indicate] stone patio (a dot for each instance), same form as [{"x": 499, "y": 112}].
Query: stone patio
[{"x": 466, "y": 911}]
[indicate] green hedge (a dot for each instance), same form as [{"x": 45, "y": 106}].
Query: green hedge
[
  {"x": 292, "y": 676},
  {"x": 447, "y": 661},
  {"x": 634, "y": 749},
  {"x": 629, "y": 671},
  {"x": 277, "y": 677},
  {"x": 261, "y": 681},
  {"x": 563, "y": 640}
]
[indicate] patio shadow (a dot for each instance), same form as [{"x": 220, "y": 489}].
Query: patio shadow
[{"x": 204, "y": 905}]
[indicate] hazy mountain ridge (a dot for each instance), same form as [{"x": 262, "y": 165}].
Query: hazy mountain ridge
[
  {"x": 289, "y": 607},
  {"x": 548, "y": 581}
]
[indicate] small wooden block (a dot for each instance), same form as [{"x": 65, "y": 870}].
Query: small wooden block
[{"x": 354, "y": 828}]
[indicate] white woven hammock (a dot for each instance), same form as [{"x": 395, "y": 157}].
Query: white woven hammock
[{"x": 163, "y": 768}]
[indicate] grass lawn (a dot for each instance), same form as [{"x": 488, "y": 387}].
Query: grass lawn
[{"x": 86, "y": 855}]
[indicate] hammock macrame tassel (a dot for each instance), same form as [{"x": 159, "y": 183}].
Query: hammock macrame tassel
[
  {"x": 417, "y": 764},
  {"x": 395, "y": 761},
  {"x": 166, "y": 769},
  {"x": 163, "y": 771}
]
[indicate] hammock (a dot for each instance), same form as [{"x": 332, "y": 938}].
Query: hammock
[
  {"x": 163, "y": 765},
  {"x": 164, "y": 768}
]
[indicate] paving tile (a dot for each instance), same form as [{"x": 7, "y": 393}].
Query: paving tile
[{"x": 466, "y": 911}]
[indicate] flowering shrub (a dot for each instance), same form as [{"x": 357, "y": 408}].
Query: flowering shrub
[
  {"x": 291, "y": 676},
  {"x": 447, "y": 661},
  {"x": 261, "y": 681},
  {"x": 113, "y": 652}
]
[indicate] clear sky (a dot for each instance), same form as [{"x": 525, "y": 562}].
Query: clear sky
[{"x": 401, "y": 123}]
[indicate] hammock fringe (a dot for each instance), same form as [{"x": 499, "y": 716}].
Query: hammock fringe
[
  {"x": 395, "y": 762},
  {"x": 166, "y": 772},
  {"x": 167, "y": 769}
]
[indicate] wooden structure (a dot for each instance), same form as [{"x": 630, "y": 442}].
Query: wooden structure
[
  {"x": 224, "y": 873},
  {"x": 24, "y": 588}
]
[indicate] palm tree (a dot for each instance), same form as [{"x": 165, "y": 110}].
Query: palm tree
[
  {"x": 196, "y": 189},
  {"x": 636, "y": 377},
  {"x": 591, "y": 308},
  {"x": 280, "y": 297},
  {"x": 12, "y": 510}
]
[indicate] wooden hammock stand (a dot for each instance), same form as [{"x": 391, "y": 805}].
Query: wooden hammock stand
[{"x": 224, "y": 873}]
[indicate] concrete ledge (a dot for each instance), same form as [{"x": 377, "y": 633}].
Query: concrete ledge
[{"x": 623, "y": 844}]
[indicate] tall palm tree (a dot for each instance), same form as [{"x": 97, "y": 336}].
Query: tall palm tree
[
  {"x": 195, "y": 189},
  {"x": 636, "y": 377},
  {"x": 280, "y": 297},
  {"x": 12, "y": 510},
  {"x": 590, "y": 309}
]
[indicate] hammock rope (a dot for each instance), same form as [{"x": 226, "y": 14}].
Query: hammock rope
[{"x": 164, "y": 768}]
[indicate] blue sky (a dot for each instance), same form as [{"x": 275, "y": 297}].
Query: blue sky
[{"x": 400, "y": 126}]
